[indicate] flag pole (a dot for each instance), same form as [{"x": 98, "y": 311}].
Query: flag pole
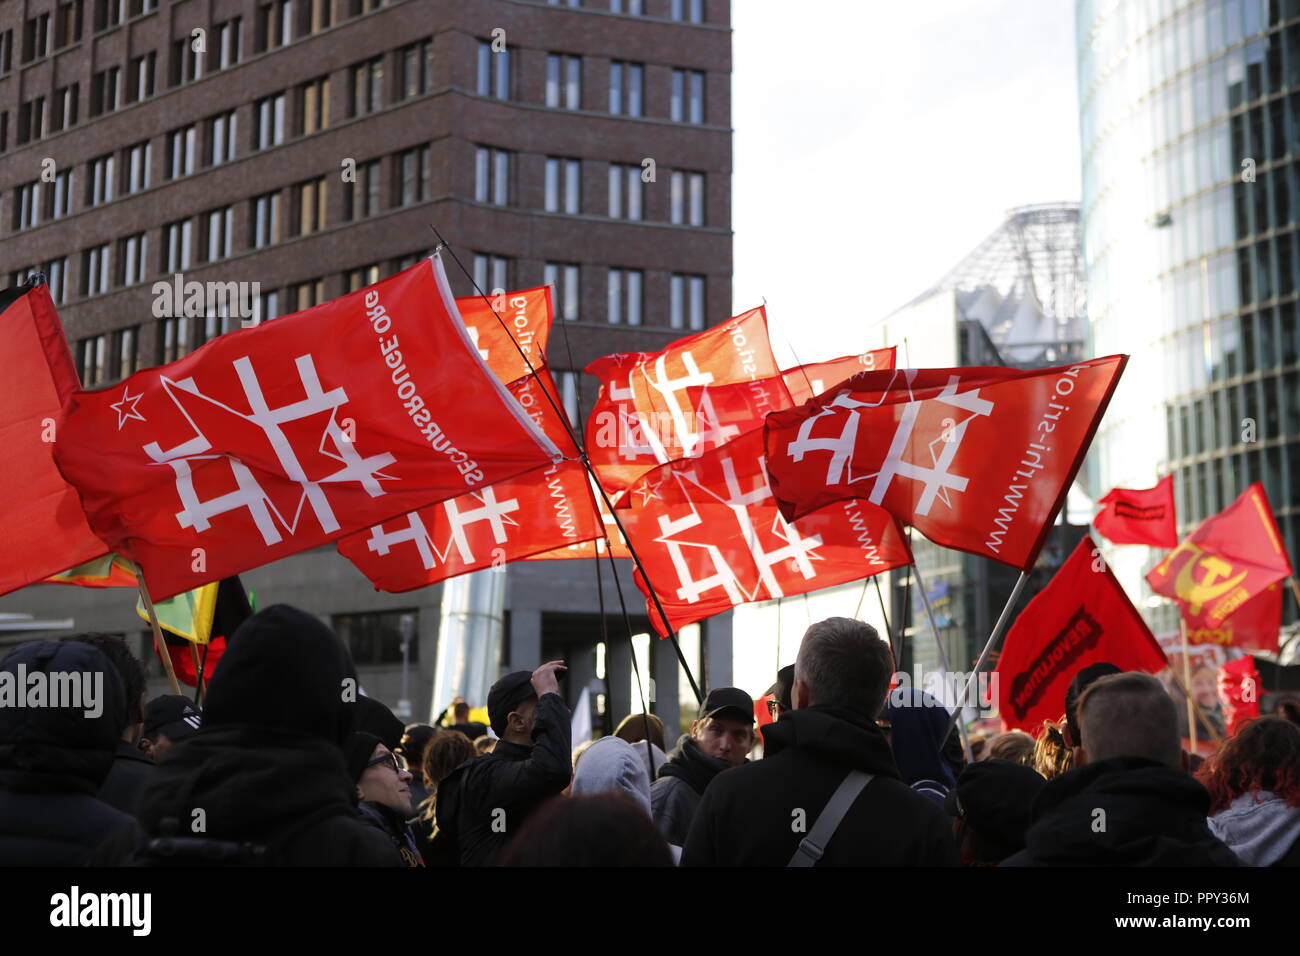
[
  {"x": 996, "y": 636},
  {"x": 157, "y": 628},
  {"x": 1295, "y": 589},
  {"x": 1187, "y": 685},
  {"x": 889, "y": 631},
  {"x": 943, "y": 662}
]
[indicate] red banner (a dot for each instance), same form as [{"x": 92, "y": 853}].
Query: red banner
[
  {"x": 1082, "y": 617},
  {"x": 1229, "y": 559},
  {"x": 1139, "y": 516},
  {"x": 710, "y": 536},
  {"x": 808, "y": 381},
  {"x": 271, "y": 440},
  {"x": 1255, "y": 625},
  {"x": 519, "y": 329},
  {"x": 976, "y": 459}
]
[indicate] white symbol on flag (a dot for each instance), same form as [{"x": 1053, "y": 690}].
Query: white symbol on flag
[
  {"x": 678, "y": 437},
  {"x": 123, "y": 413},
  {"x": 248, "y": 493},
  {"x": 473, "y": 336},
  {"x": 495, "y": 513}
]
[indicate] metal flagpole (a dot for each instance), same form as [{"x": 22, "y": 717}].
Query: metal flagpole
[
  {"x": 996, "y": 636},
  {"x": 943, "y": 662},
  {"x": 1187, "y": 686},
  {"x": 889, "y": 631}
]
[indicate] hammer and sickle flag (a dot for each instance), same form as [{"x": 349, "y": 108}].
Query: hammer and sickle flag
[{"x": 1229, "y": 559}]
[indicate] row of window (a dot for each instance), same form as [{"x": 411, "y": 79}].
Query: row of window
[
  {"x": 686, "y": 11},
  {"x": 627, "y": 93}
]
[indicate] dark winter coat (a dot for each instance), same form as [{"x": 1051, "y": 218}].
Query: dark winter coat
[
  {"x": 395, "y": 828},
  {"x": 675, "y": 795},
  {"x": 1126, "y": 811},
  {"x": 131, "y": 771},
  {"x": 749, "y": 815},
  {"x": 485, "y": 801}
]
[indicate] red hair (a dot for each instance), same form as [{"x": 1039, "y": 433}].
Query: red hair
[{"x": 1263, "y": 755}]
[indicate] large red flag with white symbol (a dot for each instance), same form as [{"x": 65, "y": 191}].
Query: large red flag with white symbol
[
  {"x": 271, "y": 440},
  {"x": 976, "y": 459},
  {"x": 710, "y": 537}
]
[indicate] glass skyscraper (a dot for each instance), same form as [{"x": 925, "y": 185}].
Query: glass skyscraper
[{"x": 1190, "y": 122}]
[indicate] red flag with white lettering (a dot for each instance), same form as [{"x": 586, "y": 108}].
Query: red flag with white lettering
[
  {"x": 1139, "y": 515},
  {"x": 271, "y": 440},
  {"x": 506, "y": 325},
  {"x": 976, "y": 459},
  {"x": 1229, "y": 559},
  {"x": 1081, "y": 617},
  {"x": 710, "y": 537},
  {"x": 806, "y": 381}
]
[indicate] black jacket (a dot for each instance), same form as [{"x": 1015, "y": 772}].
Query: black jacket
[
  {"x": 486, "y": 800},
  {"x": 395, "y": 828},
  {"x": 132, "y": 769},
  {"x": 1126, "y": 811},
  {"x": 52, "y": 760},
  {"x": 748, "y": 814},
  {"x": 675, "y": 795},
  {"x": 267, "y": 766}
]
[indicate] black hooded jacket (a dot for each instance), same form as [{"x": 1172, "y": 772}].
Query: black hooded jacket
[
  {"x": 267, "y": 766},
  {"x": 486, "y": 800},
  {"x": 749, "y": 814},
  {"x": 52, "y": 760},
  {"x": 131, "y": 772},
  {"x": 1150, "y": 815},
  {"x": 683, "y": 778}
]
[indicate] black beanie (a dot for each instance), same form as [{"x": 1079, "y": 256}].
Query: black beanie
[{"x": 357, "y": 751}]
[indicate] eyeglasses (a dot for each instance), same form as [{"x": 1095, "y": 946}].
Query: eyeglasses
[
  {"x": 774, "y": 708},
  {"x": 396, "y": 760}
]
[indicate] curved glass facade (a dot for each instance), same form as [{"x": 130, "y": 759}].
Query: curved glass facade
[{"x": 1190, "y": 122}]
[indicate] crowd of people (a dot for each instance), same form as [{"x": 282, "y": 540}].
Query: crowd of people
[{"x": 288, "y": 764}]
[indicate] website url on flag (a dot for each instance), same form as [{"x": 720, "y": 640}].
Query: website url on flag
[{"x": 413, "y": 403}]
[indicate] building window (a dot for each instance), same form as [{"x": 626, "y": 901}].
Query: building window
[
  {"x": 688, "y": 10},
  {"x": 68, "y": 23},
  {"x": 92, "y": 361},
  {"x": 687, "y": 100},
  {"x": 132, "y": 251},
  {"x": 686, "y": 302},
  {"x": 65, "y": 106},
  {"x": 136, "y": 160},
  {"x": 566, "y": 278},
  {"x": 633, "y": 8},
  {"x": 125, "y": 346},
  {"x": 355, "y": 279},
  {"x": 222, "y": 131},
  {"x": 181, "y": 150},
  {"x": 626, "y": 85},
  {"x": 36, "y": 38},
  {"x": 565, "y": 3},
  {"x": 186, "y": 63},
  {"x": 377, "y": 637},
  {"x": 314, "y": 100},
  {"x": 492, "y": 176},
  {"x": 624, "y": 191},
  {"x": 217, "y": 226},
  {"x": 139, "y": 8},
  {"x": 493, "y": 71},
  {"x": 99, "y": 187},
  {"x": 265, "y": 220},
  {"x": 563, "y": 81},
  {"x": 61, "y": 195},
  {"x": 304, "y": 295},
  {"x": 415, "y": 173},
  {"x": 268, "y": 114},
  {"x": 177, "y": 243},
  {"x": 688, "y": 199},
  {"x": 6, "y": 50},
  {"x": 105, "y": 91},
  {"x": 94, "y": 270},
  {"x": 229, "y": 42},
  {"x": 140, "y": 72},
  {"x": 31, "y": 120},
  {"x": 367, "y": 86},
  {"x": 363, "y": 195},
  {"x": 491, "y": 272},
  {"x": 172, "y": 339},
  {"x": 309, "y": 206},
  {"x": 568, "y": 385},
  {"x": 108, "y": 13},
  {"x": 417, "y": 69},
  {"x": 624, "y": 297},
  {"x": 266, "y": 307},
  {"x": 56, "y": 274},
  {"x": 274, "y": 25},
  {"x": 27, "y": 205},
  {"x": 315, "y": 16},
  {"x": 563, "y": 185}
]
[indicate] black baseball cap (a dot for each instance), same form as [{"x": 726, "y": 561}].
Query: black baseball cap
[
  {"x": 173, "y": 715},
  {"x": 505, "y": 695},
  {"x": 783, "y": 690},
  {"x": 994, "y": 798},
  {"x": 728, "y": 702}
]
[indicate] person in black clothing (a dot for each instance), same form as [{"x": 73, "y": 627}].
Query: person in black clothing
[
  {"x": 54, "y": 759},
  {"x": 486, "y": 800},
  {"x": 415, "y": 739},
  {"x": 132, "y": 767},
  {"x": 267, "y": 769},
  {"x": 990, "y": 805},
  {"x": 759, "y": 814},
  {"x": 383, "y": 792},
  {"x": 1127, "y": 802},
  {"x": 470, "y": 728},
  {"x": 169, "y": 719}
]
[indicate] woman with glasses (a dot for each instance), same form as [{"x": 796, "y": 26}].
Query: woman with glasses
[{"x": 383, "y": 792}]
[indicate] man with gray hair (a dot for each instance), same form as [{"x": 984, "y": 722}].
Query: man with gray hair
[
  {"x": 1128, "y": 801},
  {"x": 827, "y": 790}
]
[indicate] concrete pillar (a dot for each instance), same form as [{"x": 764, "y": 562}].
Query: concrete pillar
[
  {"x": 668, "y": 678},
  {"x": 525, "y": 640},
  {"x": 717, "y": 641},
  {"x": 618, "y": 667}
]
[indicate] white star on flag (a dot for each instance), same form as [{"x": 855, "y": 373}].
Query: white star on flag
[{"x": 123, "y": 414}]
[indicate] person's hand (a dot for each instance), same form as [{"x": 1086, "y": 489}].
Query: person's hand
[{"x": 546, "y": 679}]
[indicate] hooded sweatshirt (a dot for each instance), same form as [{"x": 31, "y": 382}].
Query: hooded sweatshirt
[
  {"x": 267, "y": 766},
  {"x": 612, "y": 765},
  {"x": 1259, "y": 827},
  {"x": 54, "y": 759},
  {"x": 919, "y": 725}
]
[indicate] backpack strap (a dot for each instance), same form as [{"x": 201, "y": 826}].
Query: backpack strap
[{"x": 828, "y": 821}]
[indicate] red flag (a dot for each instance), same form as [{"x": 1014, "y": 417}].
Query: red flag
[
  {"x": 1139, "y": 515},
  {"x": 807, "y": 381},
  {"x": 609, "y": 539},
  {"x": 710, "y": 537},
  {"x": 1227, "y": 560},
  {"x": 656, "y": 408},
  {"x": 976, "y": 459},
  {"x": 504, "y": 326},
  {"x": 1082, "y": 617},
  {"x": 45, "y": 529},
  {"x": 1239, "y": 689},
  {"x": 1254, "y": 625},
  {"x": 275, "y": 439}
]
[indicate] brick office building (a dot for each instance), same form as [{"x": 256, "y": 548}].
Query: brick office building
[{"x": 308, "y": 145}]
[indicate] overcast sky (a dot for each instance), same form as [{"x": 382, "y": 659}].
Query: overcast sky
[{"x": 877, "y": 143}]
